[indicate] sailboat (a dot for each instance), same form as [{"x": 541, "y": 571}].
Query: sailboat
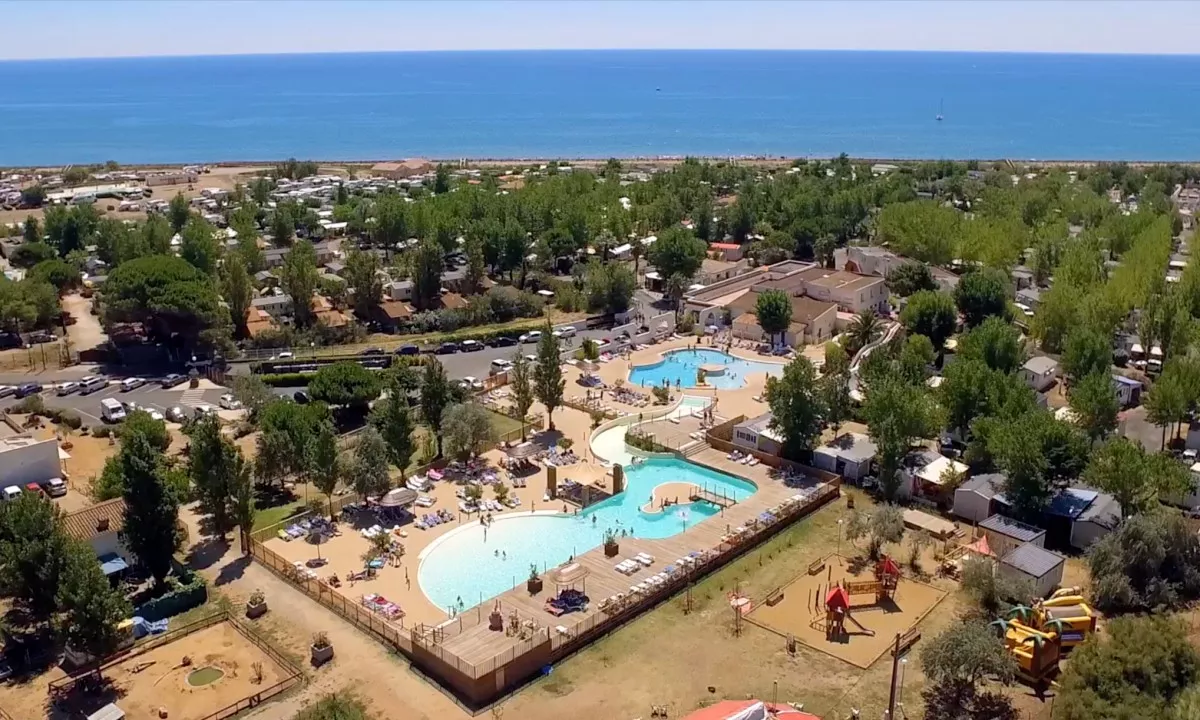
[{"x": 939, "y": 115}]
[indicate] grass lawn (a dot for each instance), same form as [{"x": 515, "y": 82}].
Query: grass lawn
[
  {"x": 265, "y": 517},
  {"x": 687, "y": 660},
  {"x": 504, "y": 424}
]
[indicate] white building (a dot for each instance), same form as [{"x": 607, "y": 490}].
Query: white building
[
  {"x": 100, "y": 526},
  {"x": 851, "y": 455},
  {"x": 1039, "y": 372},
  {"x": 756, "y": 434},
  {"x": 24, "y": 460}
]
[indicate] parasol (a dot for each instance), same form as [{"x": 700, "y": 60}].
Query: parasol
[
  {"x": 318, "y": 535},
  {"x": 398, "y": 497},
  {"x": 524, "y": 450}
]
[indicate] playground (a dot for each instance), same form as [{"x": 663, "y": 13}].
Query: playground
[{"x": 850, "y": 612}]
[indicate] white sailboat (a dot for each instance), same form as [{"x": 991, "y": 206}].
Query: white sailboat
[{"x": 939, "y": 115}]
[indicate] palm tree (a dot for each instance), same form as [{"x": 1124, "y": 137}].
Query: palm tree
[
  {"x": 862, "y": 331},
  {"x": 636, "y": 251}
]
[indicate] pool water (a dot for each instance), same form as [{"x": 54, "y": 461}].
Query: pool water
[
  {"x": 681, "y": 366},
  {"x": 467, "y": 565}
]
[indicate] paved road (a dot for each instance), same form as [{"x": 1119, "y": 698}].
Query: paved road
[{"x": 149, "y": 396}]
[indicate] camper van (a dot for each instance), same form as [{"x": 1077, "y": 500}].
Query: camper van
[{"x": 112, "y": 410}]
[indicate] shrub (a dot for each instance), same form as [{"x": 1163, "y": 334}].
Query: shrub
[
  {"x": 70, "y": 418},
  {"x": 32, "y": 405},
  {"x": 190, "y": 591},
  {"x": 685, "y": 325},
  {"x": 102, "y": 431},
  {"x": 286, "y": 379}
]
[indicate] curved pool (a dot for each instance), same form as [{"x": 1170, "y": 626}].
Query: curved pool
[
  {"x": 468, "y": 565},
  {"x": 679, "y": 367}
]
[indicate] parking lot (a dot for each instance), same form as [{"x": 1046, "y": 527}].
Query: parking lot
[{"x": 150, "y": 396}]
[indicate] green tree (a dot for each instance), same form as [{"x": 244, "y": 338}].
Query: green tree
[
  {"x": 299, "y": 278},
  {"x": 897, "y": 415},
  {"x": 677, "y": 253},
  {"x": 958, "y": 700},
  {"x": 326, "y": 466},
  {"x": 92, "y": 608},
  {"x": 139, "y": 424},
  {"x": 212, "y": 460},
  {"x": 468, "y": 428},
  {"x": 1094, "y": 403},
  {"x": 1135, "y": 674},
  {"x": 1037, "y": 454},
  {"x": 347, "y": 384},
  {"x": 199, "y": 246},
  {"x": 1150, "y": 561},
  {"x": 548, "y": 378},
  {"x": 773, "y": 308},
  {"x": 797, "y": 407},
  {"x": 288, "y": 431},
  {"x": 33, "y": 253},
  {"x": 520, "y": 379},
  {"x": 834, "y": 386},
  {"x": 863, "y": 330},
  {"x": 62, "y": 275},
  {"x": 33, "y": 551},
  {"x": 283, "y": 227},
  {"x": 1169, "y": 399},
  {"x": 995, "y": 342},
  {"x": 1087, "y": 352},
  {"x": 369, "y": 468},
  {"x": 178, "y": 212},
  {"x": 441, "y": 179},
  {"x": 436, "y": 395},
  {"x": 362, "y": 274},
  {"x": 242, "y": 499},
  {"x": 982, "y": 294},
  {"x": 176, "y": 303},
  {"x": 883, "y": 525},
  {"x": 252, "y": 393},
  {"x": 391, "y": 418},
  {"x": 925, "y": 230},
  {"x": 911, "y": 277},
  {"x": 967, "y": 651},
  {"x": 33, "y": 196},
  {"x": 427, "y": 275},
  {"x": 238, "y": 291},
  {"x": 151, "y": 508},
  {"x": 476, "y": 266},
  {"x": 931, "y": 314},
  {"x": 1136, "y": 479},
  {"x": 334, "y": 707}
]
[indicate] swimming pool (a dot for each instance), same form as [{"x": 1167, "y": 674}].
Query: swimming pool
[
  {"x": 681, "y": 366},
  {"x": 609, "y": 445},
  {"x": 468, "y": 566}
]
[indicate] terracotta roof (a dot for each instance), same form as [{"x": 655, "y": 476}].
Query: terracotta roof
[
  {"x": 804, "y": 309},
  {"x": 395, "y": 309},
  {"x": 258, "y": 321},
  {"x": 453, "y": 301},
  {"x": 746, "y": 319},
  {"x": 108, "y": 516}
]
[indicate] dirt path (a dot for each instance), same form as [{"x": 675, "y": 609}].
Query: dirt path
[
  {"x": 382, "y": 680},
  {"x": 86, "y": 333}
]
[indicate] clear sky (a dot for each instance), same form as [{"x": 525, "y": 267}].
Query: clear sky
[{"x": 95, "y": 28}]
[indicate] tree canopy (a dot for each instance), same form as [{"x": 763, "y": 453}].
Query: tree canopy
[
  {"x": 931, "y": 314},
  {"x": 173, "y": 300},
  {"x": 347, "y": 384},
  {"x": 797, "y": 407}
]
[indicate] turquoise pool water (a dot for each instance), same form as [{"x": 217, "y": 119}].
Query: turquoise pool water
[
  {"x": 681, "y": 366},
  {"x": 468, "y": 566}
]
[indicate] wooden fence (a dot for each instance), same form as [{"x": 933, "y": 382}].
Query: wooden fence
[{"x": 293, "y": 676}]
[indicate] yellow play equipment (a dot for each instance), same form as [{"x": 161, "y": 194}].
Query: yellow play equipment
[
  {"x": 1036, "y": 652},
  {"x": 1067, "y": 613}
]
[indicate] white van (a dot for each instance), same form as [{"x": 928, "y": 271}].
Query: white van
[
  {"x": 500, "y": 365},
  {"x": 91, "y": 384},
  {"x": 12, "y": 492},
  {"x": 111, "y": 410}
]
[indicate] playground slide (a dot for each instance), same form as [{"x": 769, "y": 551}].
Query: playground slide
[{"x": 857, "y": 624}]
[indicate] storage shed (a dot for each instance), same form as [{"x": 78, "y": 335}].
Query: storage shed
[
  {"x": 1039, "y": 566},
  {"x": 1005, "y": 534},
  {"x": 973, "y": 500}
]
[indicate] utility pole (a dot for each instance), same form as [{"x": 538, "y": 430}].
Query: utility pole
[{"x": 895, "y": 668}]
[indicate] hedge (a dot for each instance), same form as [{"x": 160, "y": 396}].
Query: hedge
[
  {"x": 191, "y": 592},
  {"x": 287, "y": 379}
]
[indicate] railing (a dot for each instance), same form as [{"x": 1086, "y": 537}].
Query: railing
[
  {"x": 432, "y": 638},
  {"x": 351, "y": 611},
  {"x": 293, "y": 675}
]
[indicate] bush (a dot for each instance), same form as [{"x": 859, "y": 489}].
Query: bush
[
  {"x": 32, "y": 405},
  {"x": 102, "y": 431},
  {"x": 286, "y": 379},
  {"x": 70, "y": 418},
  {"x": 685, "y": 325},
  {"x": 190, "y": 590}
]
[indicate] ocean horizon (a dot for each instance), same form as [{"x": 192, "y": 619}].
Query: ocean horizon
[{"x": 600, "y": 103}]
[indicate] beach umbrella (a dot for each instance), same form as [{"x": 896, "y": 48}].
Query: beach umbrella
[
  {"x": 522, "y": 451},
  {"x": 318, "y": 536},
  {"x": 588, "y": 366},
  {"x": 398, "y": 497}
]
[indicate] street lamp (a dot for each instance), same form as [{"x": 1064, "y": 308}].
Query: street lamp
[{"x": 839, "y": 540}]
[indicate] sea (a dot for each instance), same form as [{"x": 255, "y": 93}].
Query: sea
[{"x": 598, "y": 104}]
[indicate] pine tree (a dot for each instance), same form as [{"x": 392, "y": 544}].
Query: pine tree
[
  {"x": 548, "y": 375},
  {"x": 151, "y": 508}
]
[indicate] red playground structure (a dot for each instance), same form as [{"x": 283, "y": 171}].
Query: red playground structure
[{"x": 838, "y": 603}]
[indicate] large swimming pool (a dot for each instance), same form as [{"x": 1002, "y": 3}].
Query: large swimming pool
[
  {"x": 679, "y": 367},
  {"x": 466, "y": 567}
]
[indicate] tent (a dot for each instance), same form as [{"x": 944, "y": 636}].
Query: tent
[{"x": 981, "y": 547}]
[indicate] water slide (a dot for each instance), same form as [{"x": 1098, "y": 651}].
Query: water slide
[{"x": 855, "y": 393}]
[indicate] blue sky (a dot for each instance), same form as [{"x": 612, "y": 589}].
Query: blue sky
[{"x": 48, "y": 29}]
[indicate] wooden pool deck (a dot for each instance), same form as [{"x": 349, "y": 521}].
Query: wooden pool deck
[{"x": 470, "y": 641}]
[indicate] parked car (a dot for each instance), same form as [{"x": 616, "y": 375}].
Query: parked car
[
  {"x": 505, "y": 341},
  {"x": 176, "y": 414},
  {"x": 28, "y": 389},
  {"x": 301, "y": 397},
  {"x": 55, "y": 487},
  {"x": 471, "y": 346},
  {"x": 130, "y": 383},
  {"x": 408, "y": 350},
  {"x": 531, "y": 337},
  {"x": 531, "y": 358},
  {"x": 373, "y": 351},
  {"x": 500, "y": 365},
  {"x": 41, "y": 336},
  {"x": 228, "y": 402},
  {"x": 6, "y": 390},
  {"x": 285, "y": 355},
  {"x": 34, "y": 489},
  {"x": 447, "y": 348},
  {"x": 471, "y": 382},
  {"x": 202, "y": 410},
  {"x": 67, "y": 388},
  {"x": 172, "y": 380},
  {"x": 155, "y": 415}
]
